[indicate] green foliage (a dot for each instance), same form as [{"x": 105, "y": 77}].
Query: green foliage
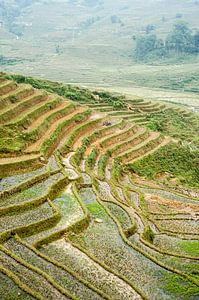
[
  {"x": 175, "y": 124},
  {"x": 148, "y": 234},
  {"x": 148, "y": 47},
  {"x": 177, "y": 160},
  {"x": 117, "y": 169},
  {"x": 102, "y": 164},
  {"x": 190, "y": 247},
  {"x": 174, "y": 285},
  {"x": 117, "y": 101},
  {"x": 179, "y": 41},
  {"x": 90, "y": 160},
  {"x": 71, "y": 92},
  {"x": 149, "y": 28},
  {"x": 67, "y": 91},
  {"x": 89, "y": 22}
]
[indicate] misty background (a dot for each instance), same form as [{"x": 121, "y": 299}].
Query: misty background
[{"x": 121, "y": 45}]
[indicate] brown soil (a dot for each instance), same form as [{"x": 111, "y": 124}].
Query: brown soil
[
  {"x": 181, "y": 207},
  {"x": 36, "y": 146},
  {"x": 44, "y": 116}
]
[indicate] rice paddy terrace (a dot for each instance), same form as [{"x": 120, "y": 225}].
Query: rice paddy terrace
[{"x": 75, "y": 221}]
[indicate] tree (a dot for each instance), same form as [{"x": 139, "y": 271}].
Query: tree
[
  {"x": 145, "y": 44},
  {"x": 180, "y": 39},
  {"x": 115, "y": 19},
  {"x": 149, "y": 46},
  {"x": 149, "y": 28},
  {"x": 196, "y": 41}
]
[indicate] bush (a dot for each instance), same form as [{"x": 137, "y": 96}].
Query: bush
[
  {"x": 148, "y": 234},
  {"x": 177, "y": 160}
]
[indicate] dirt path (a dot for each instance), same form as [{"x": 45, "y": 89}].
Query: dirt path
[{"x": 37, "y": 145}]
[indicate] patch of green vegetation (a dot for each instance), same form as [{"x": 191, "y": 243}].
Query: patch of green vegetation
[
  {"x": 176, "y": 285},
  {"x": 90, "y": 161},
  {"x": 116, "y": 101},
  {"x": 74, "y": 93},
  {"x": 96, "y": 210},
  {"x": 180, "y": 42},
  {"x": 103, "y": 163},
  {"x": 177, "y": 160},
  {"x": 67, "y": 91},
  {"x": 117, "y": 169},
  {"x": 175, "y": 124},
  {"x": 10, "y": 140},
  {"x": 190, "y": 247},
  {"x": 148, "y": 234}
]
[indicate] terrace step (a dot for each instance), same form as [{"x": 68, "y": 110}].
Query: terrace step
[
  {"x": 105, "y": 109},
  {"x": 37, "y": 145},
  {"x": 163, "y": 143},
  {"x": 99, "y": 105},
  {"x": 137, "y": 101},
  {"x": 7, "y": 86},
  {"x": 80, "y": 132},
  {"x": 22, "y": 107},
  {"x": 134, "y": 116},
  {"x": 22, "y": 91},
  {"x": 119, "y": 136},
  {"x": 13, "y": 165},
  {"x": 135, "y": 151},
  {"x": 21, "y": 221},
  {"x": 2, "y": 79},
  {"x": 40, "y": 282},
  {"x": 71, "y": 213},
  {"x": 41, "y": 116},
  {"x": 123, "y": 113},
  {"x": 154, "y": 109},
  {"x": 62, "y": 276},
  {"x": 157, "y": 143},
  {"x": 140, "y": 135},
  {"x": 107, "y": 281},
  {"x": 12, "y": 288},
  {"x": 32, "y": 196},
  {"x": 102, "y": 134}
]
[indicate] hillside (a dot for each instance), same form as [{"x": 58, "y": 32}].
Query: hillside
[
  {"x": 92, "y": 43},
  {"x": 99, "y": 194}
]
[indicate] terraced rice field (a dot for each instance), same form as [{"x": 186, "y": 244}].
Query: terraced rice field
[{"x": 74, "y": 224}]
